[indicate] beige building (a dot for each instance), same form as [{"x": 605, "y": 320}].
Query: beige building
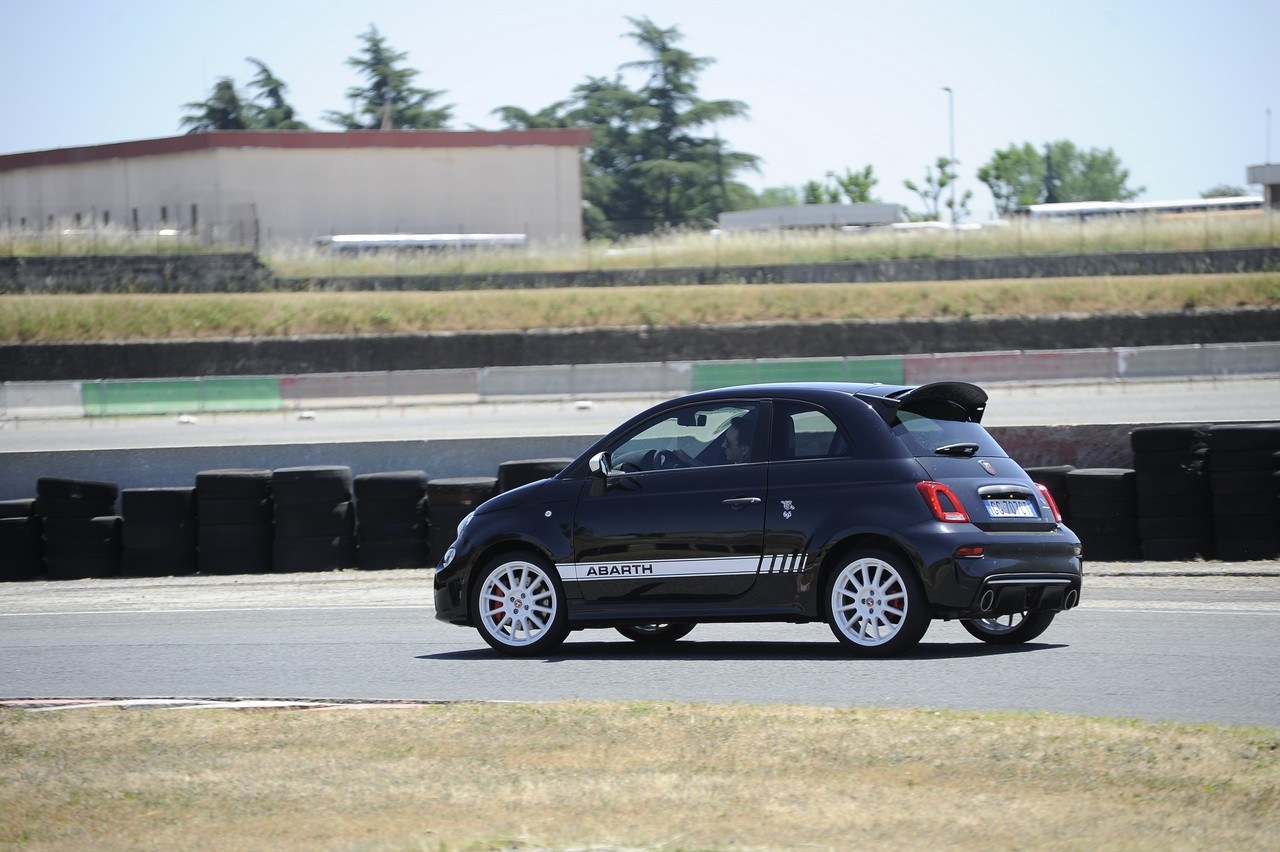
[{"x": 274, "y": 187}]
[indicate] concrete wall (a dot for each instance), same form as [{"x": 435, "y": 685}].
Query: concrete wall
[
  {"x": 1030, "y": 446},
  {"x": 289, "y": 356},
  {"x": 157, "y": 273}
]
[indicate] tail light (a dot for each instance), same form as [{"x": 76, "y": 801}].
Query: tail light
[
  {"x": 1053, "y": 504},
  {"x": 942, "y": 502}
]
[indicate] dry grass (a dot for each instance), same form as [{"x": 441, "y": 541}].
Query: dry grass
[
  {"x": 39, "y": 318},
  {"x": 646, "y": 775}
]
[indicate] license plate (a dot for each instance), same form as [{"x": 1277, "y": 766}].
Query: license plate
[{"x": 1010, "y": 509}]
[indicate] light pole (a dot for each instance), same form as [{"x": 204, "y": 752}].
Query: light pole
[{"x": 951, "y": 123}]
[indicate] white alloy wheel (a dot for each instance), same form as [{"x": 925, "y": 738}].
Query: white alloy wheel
[
  {"x": 519, "y": 606},
  {"x": 876, "y": 604}
]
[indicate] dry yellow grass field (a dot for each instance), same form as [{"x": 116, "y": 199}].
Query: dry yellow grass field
[{"x": 629, "y": 776}]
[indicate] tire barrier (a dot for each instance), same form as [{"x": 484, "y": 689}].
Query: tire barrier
[
  {"x": 450, "y": 500},
  {"x": 1244, "y": 478},
  {"x": 1104, "y": 513},
  {"x": 234, "y": 528},
  {"x": 21, "y": 541},
  {"x": 1175, "y": 512},
  {"x": 392, "y": 520},
  {"x": 81, "y": 530},
  {"x": 1195, "y": 491},
  {"x": 513, "y": 474},
  {"x": 314, "y": 519},
  {"x": 159, "y": 533}
]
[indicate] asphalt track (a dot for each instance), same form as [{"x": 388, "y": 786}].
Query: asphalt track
[
  {"x": 1062, "y": 404},
  {"x": 1174, "y": 642}
]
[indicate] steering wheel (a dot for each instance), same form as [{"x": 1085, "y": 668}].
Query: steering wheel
[{"x": 667, "y": 459}]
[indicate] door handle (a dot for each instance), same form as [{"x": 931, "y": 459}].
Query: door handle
[{"x": 741, "y": 502}]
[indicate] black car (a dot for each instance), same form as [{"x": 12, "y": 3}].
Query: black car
[{"x": 873, "y": 508}]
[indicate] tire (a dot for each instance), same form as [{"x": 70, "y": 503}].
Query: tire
[
  {"x": 513, "y": 474},
  {"x": 224, "y": 511},
  {"x": 77, "y": 489},
  {"x": 299, "y": 554},
  {"x": 519, "y": 605},
  {"x": 158, "y": 504},
  {"x": 1173, "y": 436},
  {"x": 876, "y": 604},
  {"x": 1009, "y": 629},
  {"x": 312, "y": 484},
  {"x": 399, "y": 485},
  {"x": 233, "y": 484},
  {"x": 656, "y": 634},
  {"x": 314, "y": 519},
  {"x": 24, "y": 508}
]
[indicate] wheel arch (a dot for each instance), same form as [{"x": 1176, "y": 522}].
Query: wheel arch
[
  {"x": 497, "y": 549},
  {"x": 840, "y": 551}
]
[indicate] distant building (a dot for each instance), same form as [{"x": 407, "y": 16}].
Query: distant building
[
  {"x": 302, "y": 186},
  {"x": 811, "y": 216},
  {"x": 1269, "y": 178}
]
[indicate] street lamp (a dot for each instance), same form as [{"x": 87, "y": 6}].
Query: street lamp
[{"x": 951, "y": 113}]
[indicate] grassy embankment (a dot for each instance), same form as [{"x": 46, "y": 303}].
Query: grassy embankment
[
  {"x": 41, "y": 318},
  {"x": 651, "y": 775}
]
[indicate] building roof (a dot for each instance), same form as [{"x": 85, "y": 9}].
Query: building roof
[{"x": 579, "y": 137}]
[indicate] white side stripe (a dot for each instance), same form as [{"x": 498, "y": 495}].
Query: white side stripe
[
  {"x": 660, "y": 569},
  {"x": 666, "y": 569}
]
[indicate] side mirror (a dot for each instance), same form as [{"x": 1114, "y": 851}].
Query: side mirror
[{"x": 601, "y": 464}]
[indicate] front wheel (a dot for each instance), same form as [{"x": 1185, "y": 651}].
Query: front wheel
[
  {"x": 655, "y": 634},
  {"x": 877, "y": 604},
  {"x": 1009, "y": 629},
  {"x": 520, "y": 609}
]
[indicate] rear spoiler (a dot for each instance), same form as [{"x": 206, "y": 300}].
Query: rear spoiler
[{"x": 971, "y": 399}]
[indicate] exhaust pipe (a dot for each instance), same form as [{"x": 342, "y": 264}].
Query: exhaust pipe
[
  {"x": 988, "y": 601},
  {"x": 1073, "y": 598}
]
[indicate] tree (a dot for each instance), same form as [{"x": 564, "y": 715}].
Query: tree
[
  {"x": 388, "y": 101},
  {"x": 683, "y": 176},
  {"x": 269, "y": 110},
  {"x": 1224, "y": 190},
  {"x": 1015, "y": 177},
  {"x": 648, "y": 166},
  {"x": 228, "y": 109},
  {"x": 1022, "y": 175},
  {"x": 931, "y": 192},
  {"x": 224, "y": 110}
]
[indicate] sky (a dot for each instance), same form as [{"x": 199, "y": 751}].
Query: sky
[{"x": 1187, "y": 94}]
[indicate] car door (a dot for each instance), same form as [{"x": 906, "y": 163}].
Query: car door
[{"x": 675, "y": 520}]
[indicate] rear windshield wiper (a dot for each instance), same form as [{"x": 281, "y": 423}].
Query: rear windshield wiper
[{"x": 966, "y": 449}]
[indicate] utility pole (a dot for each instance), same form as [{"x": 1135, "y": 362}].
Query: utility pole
[{"x": 951, "y": 122}]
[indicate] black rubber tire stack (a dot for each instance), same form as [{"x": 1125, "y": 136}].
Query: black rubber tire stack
[
  {"x": 1175, "y": 509},
  {"x": 1104, "y": 513},
  {"x": 315, "y": 518},
  {"x": 1244, "y": 474},
  {"x": 159, "y": 535},
  {"x": 80, "y": 526},
  {"x": 234, "y": 521},
  {"x": 513, "y": 474},
  {"x": 450, "y": 500},
  {"x": 21, "y": 545},
  {"x": 391, "y": 520},
  {"x": 1054, "y": 478}
]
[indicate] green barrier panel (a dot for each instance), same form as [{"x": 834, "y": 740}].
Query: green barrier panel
[
  {"x": 186, "y": 396},
  {"x": 724, "y": 374}
]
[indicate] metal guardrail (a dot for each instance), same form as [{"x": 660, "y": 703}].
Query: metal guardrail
[{"x": 109, "y": 398}]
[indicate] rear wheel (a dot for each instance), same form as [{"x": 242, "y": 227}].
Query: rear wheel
[
  {"x": 519, "y": 606},
  {"x": 876, "y": 604},
  {"x": 656, "y": 634},
  {"x": 1009, "y": 629}
]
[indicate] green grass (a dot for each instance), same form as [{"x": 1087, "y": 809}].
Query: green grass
[{"x": 41, "y": 318}]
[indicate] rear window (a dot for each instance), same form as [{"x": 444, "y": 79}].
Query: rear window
[{"x": 938, "y": 428}]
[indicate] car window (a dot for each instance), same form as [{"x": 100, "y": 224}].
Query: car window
[
  {"x": 939, "y": 428},
  {"x": 692, "y": 436},
  {"x": 806, "y": 432}
]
